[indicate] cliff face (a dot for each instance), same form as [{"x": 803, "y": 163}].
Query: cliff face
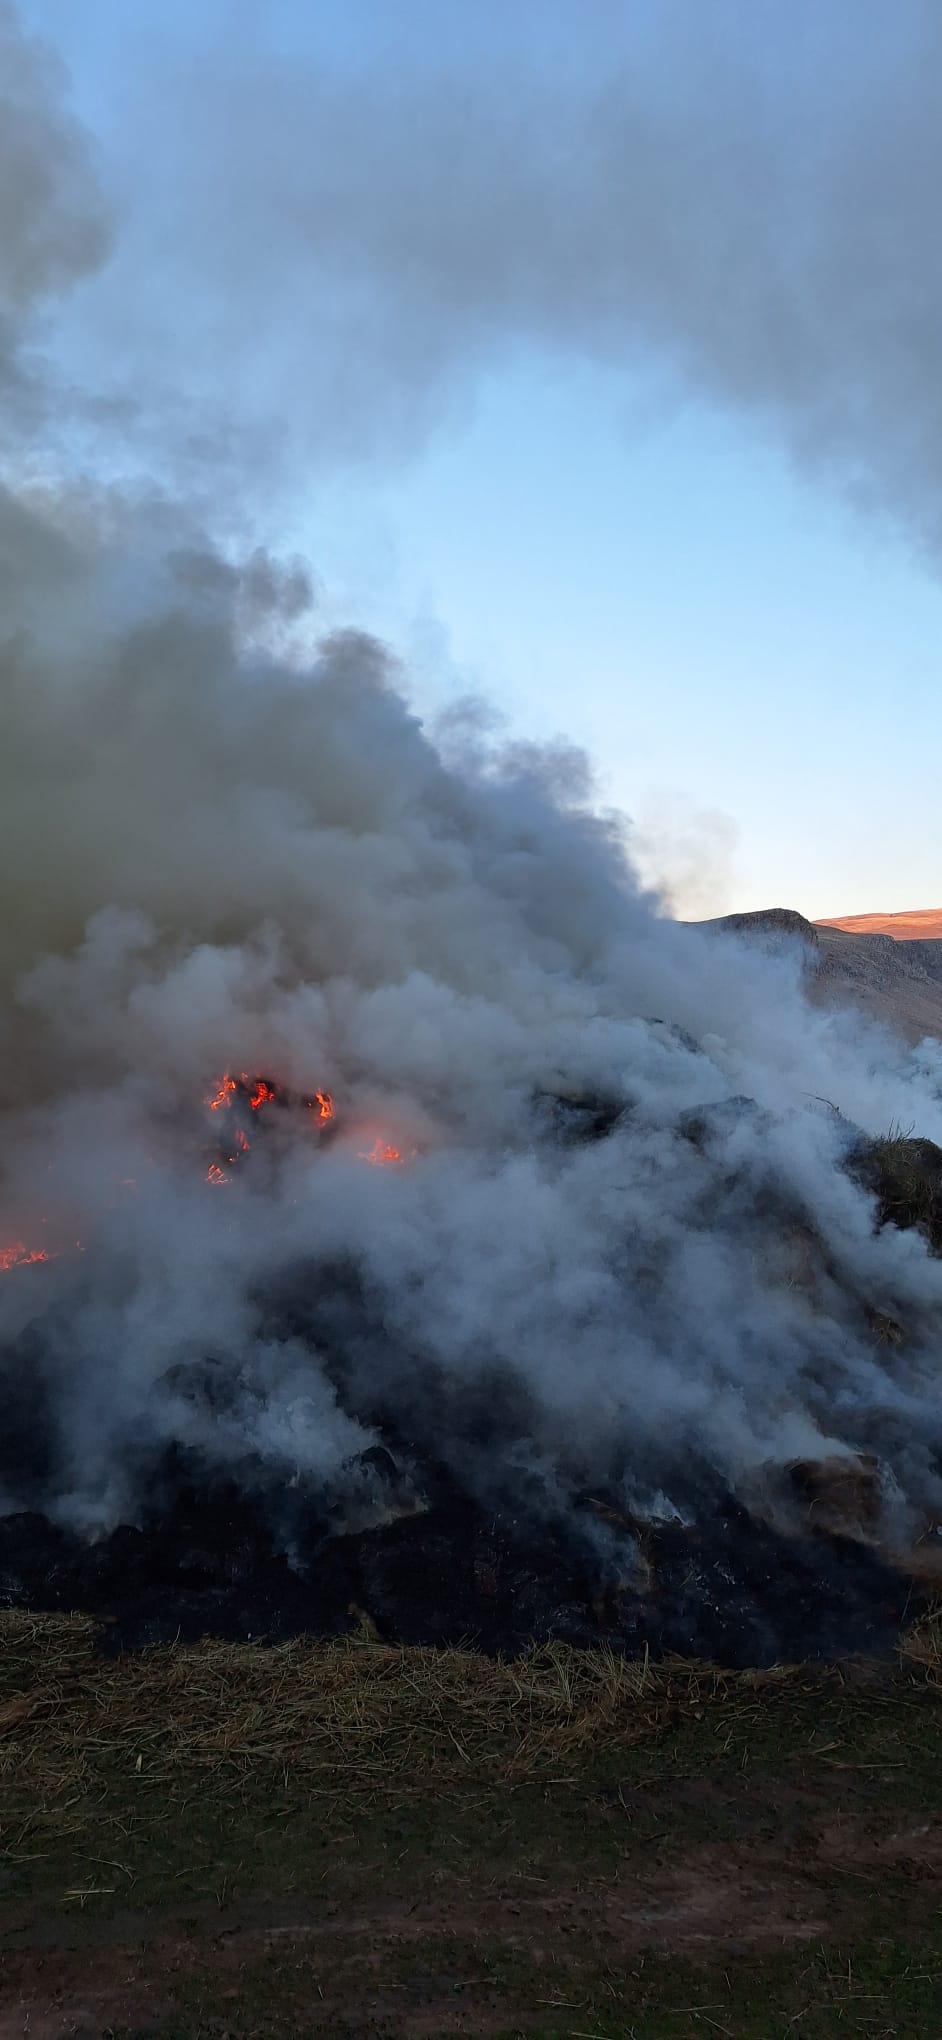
[{"x": 897, "y": 979}]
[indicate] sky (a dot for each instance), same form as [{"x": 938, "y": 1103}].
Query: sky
[{"x": 590, "y": 355}]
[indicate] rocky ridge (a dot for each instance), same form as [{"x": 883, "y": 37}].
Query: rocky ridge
[{"x": 897, "y": 981}]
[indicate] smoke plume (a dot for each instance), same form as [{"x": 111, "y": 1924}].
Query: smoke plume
[
  {"x": 219, "y": 856},
  {"x": 737, "y": 203},
  {"x": 549, "y": 1190}
]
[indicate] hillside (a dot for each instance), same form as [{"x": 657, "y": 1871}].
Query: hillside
[
  {"x": 896, "y": 978},
  {"x": 923, "y": 924}
]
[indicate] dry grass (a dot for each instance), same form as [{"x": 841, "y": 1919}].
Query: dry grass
[
  {"x": 921, "y": 1650},
  {"x": 179, "y": 1776},
  {"x": 362, "y": 1713},
  {"x": 366, "y": 1713},
  {"x": 361, "y": 1717},
  {"x": 229, "y": 1836},
  {"x": 904, "y": 1172}
]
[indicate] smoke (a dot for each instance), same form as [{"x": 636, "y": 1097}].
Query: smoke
[
  {"x": 687, "y": 855},
  {"x": 735, "y": 204},
  {"x": 219, "y": 853},
  {"x": 579, "y": 1212},
  {"x": 52, "y": 221}
]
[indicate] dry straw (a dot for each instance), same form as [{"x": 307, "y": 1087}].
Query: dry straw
[{"x": 356, "y": 1715}]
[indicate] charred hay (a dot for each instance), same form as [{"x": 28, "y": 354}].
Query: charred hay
[
  {"x": 216, "y": 1562},
  {"x": 412, "y": 1555}
]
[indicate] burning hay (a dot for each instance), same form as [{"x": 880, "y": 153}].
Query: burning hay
[
  {"x": 725, "y": 1586},
  {"x": 401, "y": 1219},
  {"x": 441, "y": 1518},
  {"x": 397, "y": 1213},
  {"x": 810, "y": 1560}
]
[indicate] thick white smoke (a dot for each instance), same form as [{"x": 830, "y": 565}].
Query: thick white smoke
[{"x": 217, "y": 856}]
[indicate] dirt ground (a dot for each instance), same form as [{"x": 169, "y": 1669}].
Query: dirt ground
[{"x": 759, "y": 1860}]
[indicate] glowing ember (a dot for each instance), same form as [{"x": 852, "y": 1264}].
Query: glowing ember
[
  {"x": 381, "y": 1155},
  {"x": 263, "y": 1093},
  {"x": 19, "y": 1255},
  {"x": 233, "y": 1094},
  {"x": 223, "y": 1096}
]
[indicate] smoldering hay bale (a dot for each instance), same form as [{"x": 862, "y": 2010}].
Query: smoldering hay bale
[
  {"x": 577, "y": 1225},
  {"x": 576, "y": 1222}
]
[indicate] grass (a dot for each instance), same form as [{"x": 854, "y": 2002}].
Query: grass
[
  {"x": 357, "y": 1717},
  {"x": 906, "y": 1175},
  {"x": 350, "y": 1708},
  {"x": 333, "y": 1838}
]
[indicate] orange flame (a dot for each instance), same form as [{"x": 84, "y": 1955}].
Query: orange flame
[
  {"x": 223, "y": 1095},
  {"x": 19, "y": 1255},
  {"x": 263, "y": 1093},
  {"x": 256, "y": 1092}
]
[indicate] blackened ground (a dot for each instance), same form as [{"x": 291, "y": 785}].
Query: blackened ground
[
  {"x": 214, "y": 1562},
  {"x": 211, "y": 1557}
]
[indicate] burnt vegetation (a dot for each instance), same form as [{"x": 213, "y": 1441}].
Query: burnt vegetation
[{"x": 437, "y": 1537}]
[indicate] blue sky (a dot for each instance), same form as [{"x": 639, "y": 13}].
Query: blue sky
[{"x": 604, "y": 547}]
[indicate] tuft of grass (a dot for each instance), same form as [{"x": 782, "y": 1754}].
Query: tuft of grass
[{"x": 905, "y": 1174}]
